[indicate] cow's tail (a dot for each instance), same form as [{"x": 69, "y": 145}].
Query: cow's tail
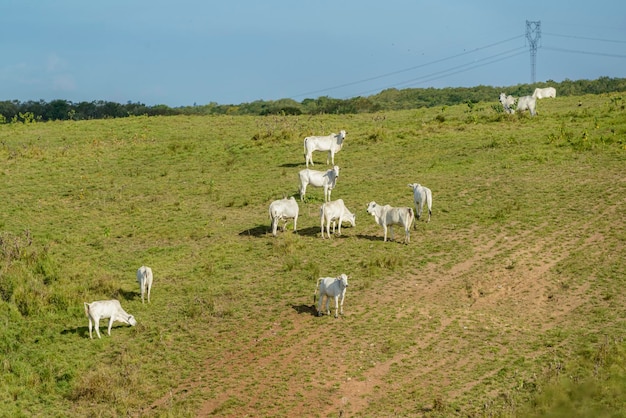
[
  {"x": 304, "y": 144},
  {"x": 316, "y": 289},
  {"x": 86, "y": 309}
]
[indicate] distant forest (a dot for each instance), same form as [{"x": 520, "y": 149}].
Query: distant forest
[{"x": 391, "y": 99}]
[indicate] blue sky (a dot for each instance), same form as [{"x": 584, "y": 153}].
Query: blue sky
[{"x": 189, "y": 52}]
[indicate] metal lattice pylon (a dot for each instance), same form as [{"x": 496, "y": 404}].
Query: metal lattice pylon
[{"x": 533, "y": 34}]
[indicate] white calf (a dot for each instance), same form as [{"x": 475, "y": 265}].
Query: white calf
[
  {"x": 527, "y": 103},
  {"x": 327, "y": 180},
  {"x": 283, "y": 210},
  {"x": 106, "y": 309},
  {"x": 332, "y": 211},
  {"x": 544, "y": 93},
  {"x": 331, "y": 143},
  {"x": 144, "y": 278},
  {"x": 507, "y": 102},
  {"x": 422, "y": 195},
  {"x": 387, "y": 216},
  {"x": 331, "y": 287}
]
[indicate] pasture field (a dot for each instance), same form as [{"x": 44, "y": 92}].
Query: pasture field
[{"x": 510, "y": 302}]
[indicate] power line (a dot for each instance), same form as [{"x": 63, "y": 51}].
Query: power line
[
  {"x": 407, "y": 69},
  {"x": 584, "y": 38},
  {"x": 575, "y": 51},
  {"x": 454, "y": 70}
]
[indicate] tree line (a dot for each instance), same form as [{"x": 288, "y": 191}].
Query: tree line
[{"x": 389, "y": 99}]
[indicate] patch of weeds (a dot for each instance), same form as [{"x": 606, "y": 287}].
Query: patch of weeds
[{"x": 379, "y": 134}]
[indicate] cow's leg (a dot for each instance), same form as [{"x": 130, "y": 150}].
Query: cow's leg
[
  {"x": 97, "y": 326},
  {"x": 327, "y": 305},
  {"x": 319, "y": 305},
  {"x": 111, "y": 323},
  {"x": 302, "y": 191},
  {"x": 391, "y": 231},
  {"x": 90, "y": 327},
  {"x": 339, "y": 228},
  {"x": 295, "y": 223},
  {"x": 336, "y": 306},
  {"x": 274, "y": 226},
  {"x": 343, "y": 295}
]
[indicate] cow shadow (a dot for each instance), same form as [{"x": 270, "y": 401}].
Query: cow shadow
[
  {"x": 305, "y": 309},
  {"x": 129, "y": 294},
  {"x": 379, "y": 238},
  {"x": 311, "y": 231},
  {"x": 291, "y": 165},
  {"x": 257, "y": 231},
  {"x": 80, "y": 331}
]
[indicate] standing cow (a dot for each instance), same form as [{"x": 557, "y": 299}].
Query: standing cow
[
  {"x": 331, "y": 287},
  {"x": 331, "y": 143},
  {"x": 387, "y": 216},
  {"x": 335, "y": 211},
  {"x": 283, "y": 210},
  {"x": 144, "y": 278},
  {"x": 327, "y": 180},
  {"x": 527, "y": 103},
  {"x": 421, "y": 195},
  {"x": 544, "y": 93}
]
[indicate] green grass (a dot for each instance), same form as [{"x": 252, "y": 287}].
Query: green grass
[{"x": 502, "y": 305}]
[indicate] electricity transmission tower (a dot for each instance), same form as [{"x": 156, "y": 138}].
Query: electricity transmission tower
[{"x": 533, "y": 34}]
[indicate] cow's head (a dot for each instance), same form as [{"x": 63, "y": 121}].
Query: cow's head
[
  {"x": 344, "y": 280},
  {"x": 371, "y": 207}
]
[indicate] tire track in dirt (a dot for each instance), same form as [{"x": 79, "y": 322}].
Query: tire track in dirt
[{"x": 506, "y": 284}]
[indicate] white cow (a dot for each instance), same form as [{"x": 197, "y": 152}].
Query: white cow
[
  {"x": 331, "y": 143},
  {"x": 283, "y": 210},
  {"x": 387, "y": 216},
  {"x": 331, "y": 287},
  {"x": 507, "y": 102},
  {"x": 421, "y": 195},
  {"x": 335, "y": 211},
  {"x": 326, "y": 179},
  {"x": 144, "y": 278},
  {"x": 527, "y": 103},
  {"x": 544, "y": 93},
  {"x": 106, "y": 309}
]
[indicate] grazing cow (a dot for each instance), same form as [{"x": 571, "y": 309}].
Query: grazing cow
[
  {"x": 544, "y": 93},
  {"x": 527, "y": 103},
  {"x": 331, "y": 287},
  {"x": 106, "y": 309},
  {"x": 327, "y": 180},
  {"x": 507, "y": 102},
  {"x": 387, "y": 216},
  {"x": 332, "y": 211},
  {"x": 144, "y": 278},
  {"x": 331, "y": 143},
  {"x": 421, "y": 195},
  {"x": 283, "y": 210}
]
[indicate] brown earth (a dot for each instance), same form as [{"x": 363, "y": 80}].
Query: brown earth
[{"x": 470, "y": 322}]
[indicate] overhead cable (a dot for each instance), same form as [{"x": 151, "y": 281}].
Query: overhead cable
[{"x": 408, "y": 69}]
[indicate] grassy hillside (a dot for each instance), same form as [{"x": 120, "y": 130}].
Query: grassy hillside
[{"x": 509, "y": 302}]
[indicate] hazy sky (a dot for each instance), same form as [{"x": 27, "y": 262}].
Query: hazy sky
[{"x": 199, "y": 51}]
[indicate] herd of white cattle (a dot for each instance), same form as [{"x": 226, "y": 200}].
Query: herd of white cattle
[
  {"x": 335, "y": 212},
  {"x": 526, "y": 102},
  {"x": 331, "y": 212}
]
